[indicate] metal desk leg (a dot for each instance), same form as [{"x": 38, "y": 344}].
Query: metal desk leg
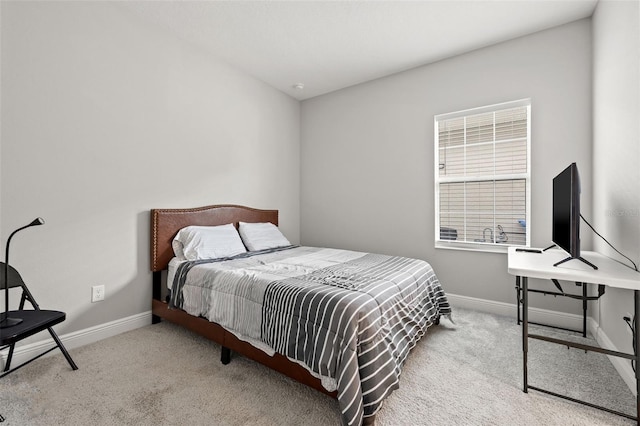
[
  {"x": 636, "y": 320},
  {"x": 584, "y": 309},
  {"x": 518, "y": 298},
  {"x": 525, "y": 331}
]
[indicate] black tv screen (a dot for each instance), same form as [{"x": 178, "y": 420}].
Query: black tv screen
[{"x": 566, "y": 211}]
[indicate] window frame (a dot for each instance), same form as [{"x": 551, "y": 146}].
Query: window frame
[{"x": 471, "y": 245}]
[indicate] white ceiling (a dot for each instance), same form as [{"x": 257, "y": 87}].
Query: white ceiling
[{"x": 329, "y": 45}]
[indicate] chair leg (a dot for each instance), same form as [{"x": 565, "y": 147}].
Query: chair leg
[
  {"x": 13, "y": 346},
  {"x": 62, "y": 349},
  {"x": 9, "y": 357}
]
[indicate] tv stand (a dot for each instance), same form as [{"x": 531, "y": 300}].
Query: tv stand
[
  {"x": 550, "y": 247},
  {"x": 580, "y": 258}
]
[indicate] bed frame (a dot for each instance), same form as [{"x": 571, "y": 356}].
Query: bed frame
[{"x": 165, "y": 224}]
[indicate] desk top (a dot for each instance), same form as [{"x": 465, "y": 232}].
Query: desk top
[{"x": 540, "y": 265}]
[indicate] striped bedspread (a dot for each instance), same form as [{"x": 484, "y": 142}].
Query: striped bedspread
[{"x": 345, "y": 315}]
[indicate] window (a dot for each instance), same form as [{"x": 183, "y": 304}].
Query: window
[{"x": 482, "y": 177}]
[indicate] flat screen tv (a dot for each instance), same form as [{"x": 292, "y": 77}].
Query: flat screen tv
[{"x": 566, "y": 213}]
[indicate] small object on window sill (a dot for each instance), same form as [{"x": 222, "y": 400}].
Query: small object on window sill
[
  {"x": 502, "y": 236},
  {"x": 448, "y": 233}
]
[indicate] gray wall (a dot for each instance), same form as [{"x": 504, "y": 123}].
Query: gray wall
[
  {"x": 367, "y": 152},
  {"x": 616, "y": 149},
  {"x": 105, "y": 117}
]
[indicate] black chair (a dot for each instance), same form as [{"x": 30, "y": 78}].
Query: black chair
[
  {"x": 20, "y": 324},
  {"x": 28, "y": 321}
]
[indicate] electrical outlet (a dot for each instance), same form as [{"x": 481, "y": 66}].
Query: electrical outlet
[{"x": 97, "y": 293}]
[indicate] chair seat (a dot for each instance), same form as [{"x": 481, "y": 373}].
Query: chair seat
[{"x": 33, "y": 321}]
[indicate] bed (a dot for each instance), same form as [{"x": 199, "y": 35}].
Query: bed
[{"x": 303, "y": 311}]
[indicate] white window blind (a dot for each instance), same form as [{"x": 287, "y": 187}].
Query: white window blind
[{"x": 482, "y": 176}]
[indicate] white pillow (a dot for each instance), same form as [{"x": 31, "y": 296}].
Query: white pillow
[
  {"x": 262, "y": 236},
  {"x": 207, "y": 242}
]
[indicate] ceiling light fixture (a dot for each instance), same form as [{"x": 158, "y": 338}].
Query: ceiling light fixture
[{"x": 298, "y": 86}]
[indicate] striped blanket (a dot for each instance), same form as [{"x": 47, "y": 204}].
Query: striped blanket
[{"x": 345, "y": 315}]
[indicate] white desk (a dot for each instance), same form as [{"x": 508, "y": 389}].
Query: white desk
[{"x": 610, "y": 273}]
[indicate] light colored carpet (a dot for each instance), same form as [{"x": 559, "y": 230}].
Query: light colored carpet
[{"x": 469, "y": 373}]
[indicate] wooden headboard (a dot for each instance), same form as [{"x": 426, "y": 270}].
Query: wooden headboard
[{"x": 165, "y": 224}]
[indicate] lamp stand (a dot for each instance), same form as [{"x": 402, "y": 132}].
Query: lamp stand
[{"x": 6, "y": 320}]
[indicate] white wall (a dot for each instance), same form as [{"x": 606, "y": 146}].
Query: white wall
[
  {"x": 616, "y": 148},
  {"x": 367, "y": 152},
  {"x": 105, "y": 117}
]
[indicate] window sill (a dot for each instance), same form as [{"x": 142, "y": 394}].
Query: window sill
[{"x": 485, "y": 248}]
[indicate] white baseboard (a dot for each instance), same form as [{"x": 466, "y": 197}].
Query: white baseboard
[
  {"x": 544, "y": 316},
  {"x": 558, "y": 319},
  {"x": 78, "y": 338}
]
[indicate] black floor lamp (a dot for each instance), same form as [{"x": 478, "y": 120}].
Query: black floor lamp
[{"x": 6, "y": 321}]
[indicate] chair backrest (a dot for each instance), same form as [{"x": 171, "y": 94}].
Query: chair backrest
[
  {"x": 15, "y": 280},
  {"x": 13, "y": 276}
]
